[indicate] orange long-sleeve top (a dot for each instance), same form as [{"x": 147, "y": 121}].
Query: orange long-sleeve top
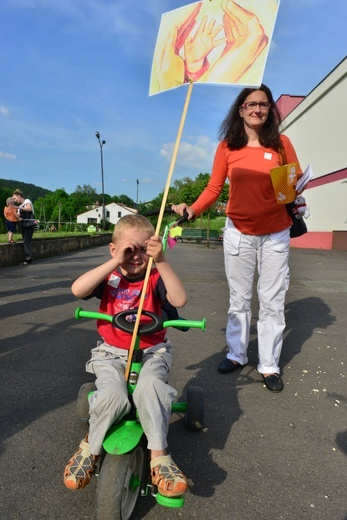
[
  {"x": 10, "y": 213},
  {"x": 252, "y": 205}
]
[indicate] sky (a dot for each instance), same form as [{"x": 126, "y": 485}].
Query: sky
[{"x": 71, "y": 68}]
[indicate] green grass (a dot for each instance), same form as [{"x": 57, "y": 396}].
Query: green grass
[{"x": 216, "y": 223}]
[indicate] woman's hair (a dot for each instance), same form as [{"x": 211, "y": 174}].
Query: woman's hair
[
  {"x": 137, "y": 222},
  {"x": 232, "y": 128},
  {"x": 9, "y": 201},
  {"x": 18, "y": 192}
]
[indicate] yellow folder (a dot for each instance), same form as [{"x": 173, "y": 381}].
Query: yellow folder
[{"x": 284, "y": 179}]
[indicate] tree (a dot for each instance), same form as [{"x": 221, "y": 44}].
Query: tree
[
  {"x": 124, "y": 199},
  {"x": 188, "y": 190}
]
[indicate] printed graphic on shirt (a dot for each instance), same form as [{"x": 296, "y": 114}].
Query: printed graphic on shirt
[{"x": 125, "y": 298}]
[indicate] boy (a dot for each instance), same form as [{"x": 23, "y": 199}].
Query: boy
[
  {"x": 11, "y": 218},
  {"x": 118, "y": 283}
]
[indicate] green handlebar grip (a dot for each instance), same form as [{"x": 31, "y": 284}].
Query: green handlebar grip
[
  {"x": 189, "y": 324},
  {"x": 80, "y": 313}
]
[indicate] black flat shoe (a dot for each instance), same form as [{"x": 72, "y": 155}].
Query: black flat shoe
[
  {"x": 27, "y": 261},
  {"x": 228, "y": 366},
  {"x": 273, "y": 382}
]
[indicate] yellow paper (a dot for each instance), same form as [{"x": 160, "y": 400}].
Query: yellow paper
[
  {"x": 220, "y": 43},
  {"x": 284, "y": 179},
  {"x": 175, "y": 231}
]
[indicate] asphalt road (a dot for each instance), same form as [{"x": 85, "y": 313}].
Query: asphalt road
[{"x": 261, "y": 456}]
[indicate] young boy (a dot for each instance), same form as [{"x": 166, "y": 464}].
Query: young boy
[
  {"x": 118, "y": 283},
  {"x": 11, "y": 218}
]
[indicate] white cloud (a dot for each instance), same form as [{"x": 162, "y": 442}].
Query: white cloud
[
  {"x": 195, "y": 154},
  {"x": 4, "y": 111},
  {"x": 5, "y": 155}
]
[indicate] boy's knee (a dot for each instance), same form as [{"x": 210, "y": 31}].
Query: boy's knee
[{"x": 105, "y": 398}]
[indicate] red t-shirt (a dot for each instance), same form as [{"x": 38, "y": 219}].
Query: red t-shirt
[
  {"x": 121, "y": 294},
  {"x": 252, "y": 203}
]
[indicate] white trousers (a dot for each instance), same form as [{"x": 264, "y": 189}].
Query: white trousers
[
  {"x": 242, "y": 254},
  {"x": 152, "y": 397}
]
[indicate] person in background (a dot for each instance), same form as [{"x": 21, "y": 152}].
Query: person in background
[
  {"x": 25, "y": 214},
  {"x": 10, "y": 214},
  {"x": 257, "y": 231}
]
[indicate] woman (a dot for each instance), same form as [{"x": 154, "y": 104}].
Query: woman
[
  {"x": 257, "y": 228},
  {"x": 27, "y": 222}
]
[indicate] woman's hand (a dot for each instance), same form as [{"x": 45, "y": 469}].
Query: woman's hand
[{"x": 179, "y": 209}]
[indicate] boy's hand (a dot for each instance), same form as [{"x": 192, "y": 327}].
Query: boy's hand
[
  {"x": 124, "y": 250},
  {"x": 155, "y": 249}
]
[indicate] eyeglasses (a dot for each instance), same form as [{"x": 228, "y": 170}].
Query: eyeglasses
[{"x": 252, "y": 105}]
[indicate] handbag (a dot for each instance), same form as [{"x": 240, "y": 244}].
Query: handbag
[
  {"x": 28, "y": 219},
  {"x": 298, "y": 227}
]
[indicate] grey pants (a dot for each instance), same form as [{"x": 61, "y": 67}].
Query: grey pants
[{"x": 152, "y": 397}]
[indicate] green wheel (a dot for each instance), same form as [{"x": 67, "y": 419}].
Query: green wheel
[
  {"x": 195, "y": 408},
  {"x": 119, "y": 485},
  {"x": 169, "y": 502}
]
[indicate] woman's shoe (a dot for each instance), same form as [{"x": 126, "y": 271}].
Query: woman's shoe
[
  {"x": 273, "y": 382},
  {"x": 228, "y": 366},
  {"x": 27, "y": 261}
]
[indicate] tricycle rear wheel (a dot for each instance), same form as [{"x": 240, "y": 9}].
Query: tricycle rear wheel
[
  {"x": 82, "y": 403},
  {"x": 195, "y": 408}
]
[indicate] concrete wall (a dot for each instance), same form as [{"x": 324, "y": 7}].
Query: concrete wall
[{"x": 13, "y": 254}]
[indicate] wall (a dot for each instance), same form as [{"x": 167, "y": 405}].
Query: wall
[
  {"x": 13, "y": 254},
  {"x": 317, "y": 127}
]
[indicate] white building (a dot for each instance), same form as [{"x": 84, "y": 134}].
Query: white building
[
  {"x": 317, "y": 127},
  {"x": 113, "y": 212}
]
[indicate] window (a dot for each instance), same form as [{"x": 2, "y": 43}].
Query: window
[
  {"x": 119, "y": 214},
  {"x": 92, "y": 221}
]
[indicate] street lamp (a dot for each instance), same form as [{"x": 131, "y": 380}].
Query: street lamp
[
  {"x": 101, "y": 143},
  {"x": 137, "y": 193}
]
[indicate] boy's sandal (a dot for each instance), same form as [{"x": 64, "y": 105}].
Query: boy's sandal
[
  {"x": 80, "y": 468},
  {"x": 168, "y": 478}
]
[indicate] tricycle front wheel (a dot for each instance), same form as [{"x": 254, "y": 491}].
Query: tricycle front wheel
[{"x": 119, "y": 484}]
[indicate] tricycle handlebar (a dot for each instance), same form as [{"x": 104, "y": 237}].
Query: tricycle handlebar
[{"x": 118, "y": 320}]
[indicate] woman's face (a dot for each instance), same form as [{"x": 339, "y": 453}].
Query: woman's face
[{"x": 255, "y": 109}]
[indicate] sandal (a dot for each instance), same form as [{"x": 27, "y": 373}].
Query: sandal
[
  {"x": 168, "y": 478},
  {"x": 80, "y": 468}
]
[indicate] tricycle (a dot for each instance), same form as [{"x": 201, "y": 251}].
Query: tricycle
[{"x": 123, "y": 470}]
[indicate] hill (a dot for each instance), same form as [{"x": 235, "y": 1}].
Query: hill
[{"x": 30, "y": 191}]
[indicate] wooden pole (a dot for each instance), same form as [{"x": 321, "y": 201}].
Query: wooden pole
[{"x": 157, "y": 231}]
